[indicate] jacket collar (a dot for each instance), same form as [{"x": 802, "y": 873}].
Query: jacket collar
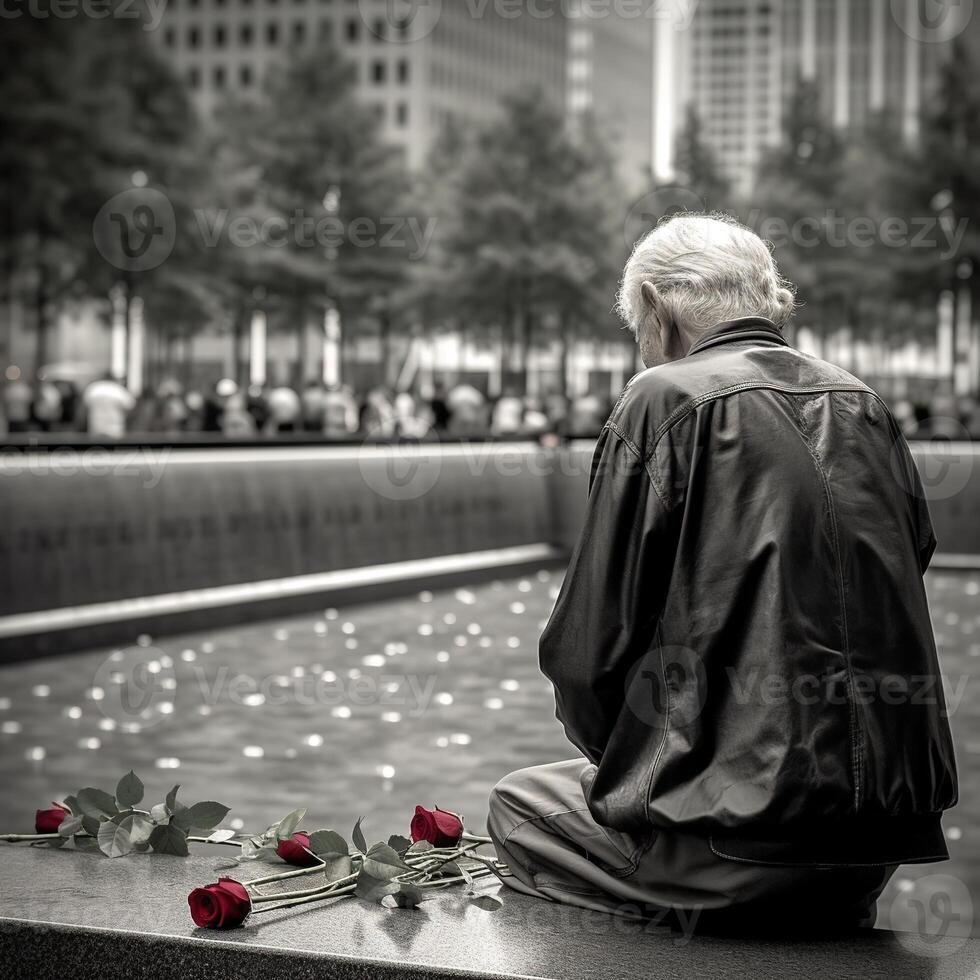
[{"x": 744, "y": 328}]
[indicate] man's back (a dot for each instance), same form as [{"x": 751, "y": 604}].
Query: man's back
[{"x": 764, "y": 658}]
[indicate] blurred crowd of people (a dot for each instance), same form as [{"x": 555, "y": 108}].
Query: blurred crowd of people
[{"x": 107, "y": 409}]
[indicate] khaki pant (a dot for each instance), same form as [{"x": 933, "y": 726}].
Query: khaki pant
[{"x": 542, "y": 828}]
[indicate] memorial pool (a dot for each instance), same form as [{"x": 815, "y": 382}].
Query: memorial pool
[{"x": 367, "y": 710}]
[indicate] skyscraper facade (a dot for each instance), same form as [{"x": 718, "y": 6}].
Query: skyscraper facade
[
  {"x": 449, "y": 58},
  {"x": 738, "y": 61},
  {"x": 610, "y": 64}
]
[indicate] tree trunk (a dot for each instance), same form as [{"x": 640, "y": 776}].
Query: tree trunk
[
  {"x": 565, "y": 344},
  {"x": 300, "y": 314},
  {"x": 384, "y": 336},
  {"x": 41, "y": 311},
  {"x": 239, "y": 326}
]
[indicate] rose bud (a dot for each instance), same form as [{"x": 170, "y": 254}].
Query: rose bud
[
  {"x": 223, "y": 905},
  {"x": 439, "y": 827},
  {"x": 48, "y": 821},
  {"x": 295, "y": 851}
]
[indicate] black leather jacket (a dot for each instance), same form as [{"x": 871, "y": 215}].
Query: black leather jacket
[{"x": 742, "y": 645}]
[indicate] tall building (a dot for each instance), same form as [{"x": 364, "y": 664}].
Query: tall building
[
  {"x": 610, "y": 62},
  {"x": 737, "y": 62},
  {"x": 448, "y": 58}
]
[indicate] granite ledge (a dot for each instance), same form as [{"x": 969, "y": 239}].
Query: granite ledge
[{"x": 78, "y": 913}]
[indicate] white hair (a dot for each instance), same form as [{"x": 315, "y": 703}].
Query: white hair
[{"x": 707, "y": 268}]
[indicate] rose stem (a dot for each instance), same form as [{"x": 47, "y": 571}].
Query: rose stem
[{"x": 16, "y": 837}]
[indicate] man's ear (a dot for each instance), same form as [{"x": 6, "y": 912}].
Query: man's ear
[{"x": 671, "y": 342}]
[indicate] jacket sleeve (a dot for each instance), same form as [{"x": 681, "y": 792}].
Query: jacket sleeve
[
  {"x": 606, "y": 614},
  {"x": 925, "y": 536}
]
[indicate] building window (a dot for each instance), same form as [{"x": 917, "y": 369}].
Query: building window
[
  {"x": 245, "y": 75},
  {"x": 219, "y": 35},
  {"x": 379, "y": 29},
  {"x": 169, "y": 37},
  {"x": 194, "y": 77},
  {"x": 193, "y": 37},
  {"x": 379, "y": 71},
  {"x": 326, "y": 30},
  {"x": 272, "y": 32},
  {"x": 219, "y": 77},
  {"x": 353, "y": 29},
  {"x": 299, "y": 31},
  {"x": 246, "y": 34},
  {"x": 403, "y": 71},
  {"x": 401, "y": 113}
]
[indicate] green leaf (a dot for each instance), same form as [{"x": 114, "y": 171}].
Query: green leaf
[
  {"x": 70, "y": 825},
  {"x": 373, "y": 889},
  {"x": 50, "y": 842},
  {"x": 398, "y": 843},
  {"x": 337, "y": 866},
  {"x": 204, "y": 815},
  {"x": 259, "y": 852},
  {"x": 328, "y": 843},
  {"x": 419, "y": 846},
  {"x": 171, "y": 801},
  {"x": 168, "y": 839},
  {"x": 287, "y": 826},
  {"x": 129, "y": 792},
  {"x": 159, "y": 813},
  {"x": 489, "y": 903},
  {"x": 114, "y": 837},
  {"x": 450, "y": 870},
  {"x": 358, "y": 837},
  {"x": 91, "y": 826},
  {"x": 71, "y": 802},
  {"x": 383, "y": 862},
  {"x": 96, "y": 803},
  {"x": 141, "y": 829},
  {"x": 219, "y": 836}
]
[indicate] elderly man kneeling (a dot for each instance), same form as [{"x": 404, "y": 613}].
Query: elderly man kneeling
[{"x": 729, "y": 647}]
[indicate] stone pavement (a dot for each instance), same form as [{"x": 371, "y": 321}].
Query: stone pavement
[{"x": 69, "y": 913}]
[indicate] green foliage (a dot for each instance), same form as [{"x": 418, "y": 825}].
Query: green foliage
[
  {"x": 118, "y": 827},
  {"x": 529, "y": 221}
]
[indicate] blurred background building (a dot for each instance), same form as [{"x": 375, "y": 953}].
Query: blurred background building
[
  {"x": 741, "y": 61},
  {"x": 456, "y": 144}
]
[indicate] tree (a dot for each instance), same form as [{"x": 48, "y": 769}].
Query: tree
[
  {"x": 697, "y": 166},
  {"x": 84, "y": 104},
  {"x": 531, "y": 238},
  {"x": 306, "y": 163}
]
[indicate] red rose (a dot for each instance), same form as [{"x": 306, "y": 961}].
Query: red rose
[
  {"x": 223, "y": 905},
  {"x": 439, "y": 827},
  {"x": 295, "y": 851},
  {"x": 48, "y": 821}
]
